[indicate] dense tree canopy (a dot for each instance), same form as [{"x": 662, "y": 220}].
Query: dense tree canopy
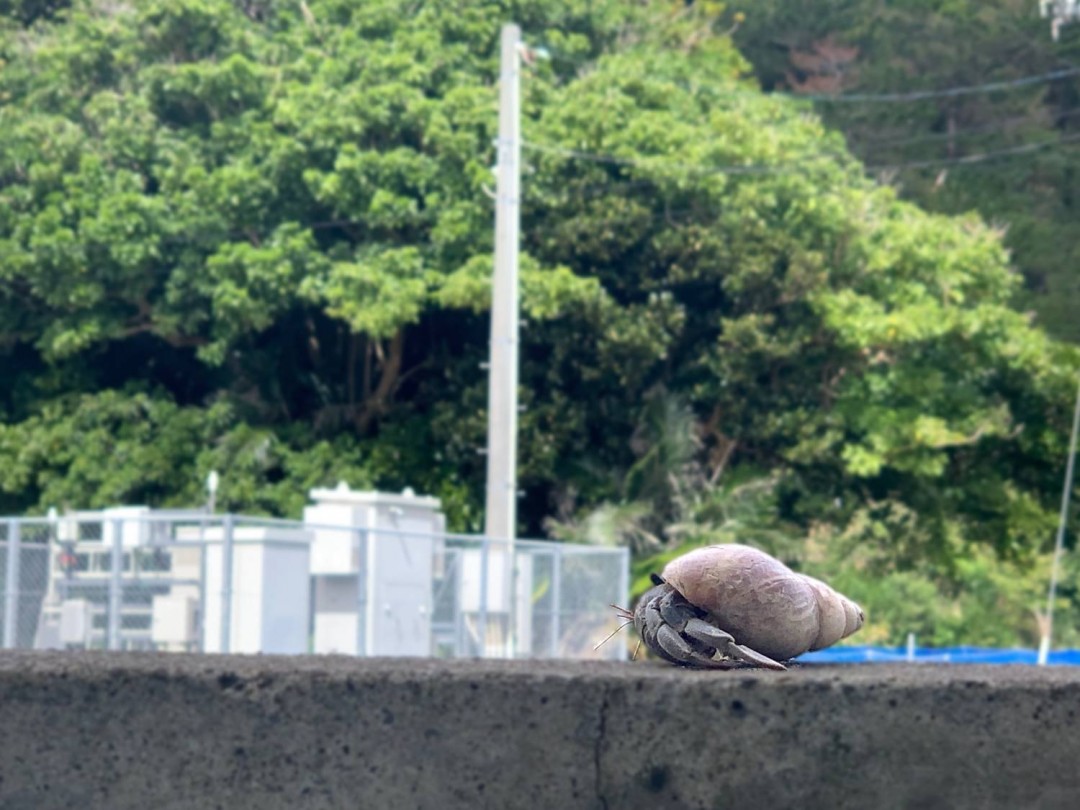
[{"x": 256, "y": 237}]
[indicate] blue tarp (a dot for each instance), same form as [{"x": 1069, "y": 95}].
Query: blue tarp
[{"x": 938, "y": 655}]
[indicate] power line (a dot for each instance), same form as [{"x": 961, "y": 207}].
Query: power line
[
  {"x": 948, "y": 92},
  {"x": 750, "y": 169},
  {"x": 995, "y": 128},
  {"x": 979, "y": 157},
  {"x": 875, "y": 98},
  {"x": 697, "y": 168},
  {"x": 794, "y": 167},
  {"x": 868, "y": 97}
]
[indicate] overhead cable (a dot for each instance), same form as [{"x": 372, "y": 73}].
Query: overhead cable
[
  {"x": 994, "y": 128},
  {"x": 885, "y": 98},
  {"x": 949, "y": 92},
  {"x": 791, "y": 167}
]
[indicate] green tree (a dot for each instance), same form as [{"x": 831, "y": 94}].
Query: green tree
[
  {"x": 272, "y": 207},
  {"x": 257, "y": 237}
]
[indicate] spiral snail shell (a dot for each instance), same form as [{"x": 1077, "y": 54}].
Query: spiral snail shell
[{"x": 740, "y": 603}]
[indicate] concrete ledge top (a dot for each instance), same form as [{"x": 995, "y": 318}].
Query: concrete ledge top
[
  {"x": 93, "y": 665},
  {"x": 117, "y": 731}
]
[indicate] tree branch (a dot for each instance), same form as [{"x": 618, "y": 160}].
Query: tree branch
[
  {"x": 376, "y": 404},
  {"x": 174, "y": 340}
]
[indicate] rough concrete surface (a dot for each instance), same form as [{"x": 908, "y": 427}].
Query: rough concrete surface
[{"x": 118, "y": 731}]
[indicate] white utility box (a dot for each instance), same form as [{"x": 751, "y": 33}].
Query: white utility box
[
  {"x": 174, "y": 622},
  {"x": 132, "y": 523},
  {"x": 76, "y": 622},
  {"x": 271, "y": 590},
  {"x": 372, "y": 563}
]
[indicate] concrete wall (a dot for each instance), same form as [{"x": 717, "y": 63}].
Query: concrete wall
[{"x": 167, "y": 732}]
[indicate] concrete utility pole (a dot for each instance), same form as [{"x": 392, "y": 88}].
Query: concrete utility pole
[
  {"x": 500, "y": 512},
  {"x": 501, "y": 505},
  {"x": 1059, "y": 541}
]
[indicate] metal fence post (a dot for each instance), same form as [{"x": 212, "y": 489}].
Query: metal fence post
[
  {"x": 512, "y": 603},
  {"x": 362, "y": 540},
  {"x": 226, "y": 583},
  {"x": 556, "y": 600},
  {"x": 482, "y": 622},
  {"x": 624, "y": 591},
  {"x": 11, "y": 587},
  {"x": 203, "y": 554},
  {"x": 116, "y": 595}
]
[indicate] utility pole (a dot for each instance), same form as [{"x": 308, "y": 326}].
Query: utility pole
[
  {"x": 1059, "y": 541},
  {"x": 501, "y": 506},
  {"x": 500, "y": 511}
]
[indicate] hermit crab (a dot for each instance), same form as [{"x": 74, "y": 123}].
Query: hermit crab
[{"x": 731, "y": 605}]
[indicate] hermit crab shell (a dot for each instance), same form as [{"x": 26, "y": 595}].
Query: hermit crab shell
[{"x": 761, "y": 602}]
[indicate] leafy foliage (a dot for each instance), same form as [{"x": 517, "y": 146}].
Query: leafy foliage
[{"x": 256, "y": 237}]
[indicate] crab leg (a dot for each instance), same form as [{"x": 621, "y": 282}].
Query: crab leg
[{"x": 674, "y": 645}]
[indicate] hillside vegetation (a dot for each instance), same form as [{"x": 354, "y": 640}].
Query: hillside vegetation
[
  {"x": 256, "y": 237},
  {"x": 1010, "y": 151}
]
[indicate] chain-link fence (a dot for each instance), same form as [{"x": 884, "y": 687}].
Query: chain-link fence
[
  {"x": 571, "y": 592},
  {"x": 24, "y": 575},
  {"x": 192, "y": 581}
]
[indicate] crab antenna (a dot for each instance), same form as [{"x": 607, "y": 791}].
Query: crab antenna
[
  {"x": 636, "y": 650},
  {"x": 623, "y": 612},
  {"x": 611, "y": 635}
]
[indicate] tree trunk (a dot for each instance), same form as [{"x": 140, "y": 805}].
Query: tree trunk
[{"x": 376, "y": 404}]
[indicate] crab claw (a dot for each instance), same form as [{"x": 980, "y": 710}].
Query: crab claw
[{"x": 725, "y": 644}]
